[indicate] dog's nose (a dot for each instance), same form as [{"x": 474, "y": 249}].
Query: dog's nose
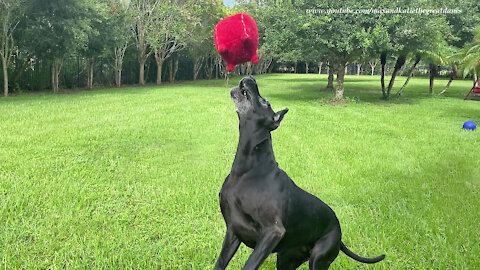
[{"x": 232, "y": 92}]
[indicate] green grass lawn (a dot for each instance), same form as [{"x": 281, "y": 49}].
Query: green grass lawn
[{"x": 129, "y": 178}]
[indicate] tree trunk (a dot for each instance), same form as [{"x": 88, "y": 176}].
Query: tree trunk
[
  {"x": 53, "y": 79},
  {"x": 5, "y": 76},
  {"x": 91, "y": 63},
  {"x": 227, "y": 78},
  {"x": 20, "y": 71},
  {"x": 56, "y": 68},
  {"x": 249, "y": 68},
  {"x": 242, "y": 69},
  {"x": 346, "y": 70},
  {"x": 175, "y": 68},
  {"x": 295, "y": 68},
  {"x": 410, "y": 74},
  {"x": 141, "y": 78},
  {"x": 159, "y": 70},
  {"x": 340, "y": 80},
  {"x": 398, "y": 65},
  {"x": 330, "y": 77},
  {"x": 433, "y": 72},
  {"x": 320, "y": 64},
  {"x": 306, "y": 67},
  {"x": 197, "y": 66},
  {"x": 452, "y": 77},
  {"x": 57, "y": 87},
  {"x": 170, "y": 70},
  {"x": 383, "y": 62},
  {"x": 269, "y": 66},
  {"x": 217, "y": 69},
  {"x": 214, "y": 64},
  {"x": 359, "y": 67},
  {"x": 119, "y": 54},
  {"x": 143, "y": 54},
  {"x": 372, "y": 66},
  {"x": 400, "y": 73},
  {"x": 118, "y": 77}
]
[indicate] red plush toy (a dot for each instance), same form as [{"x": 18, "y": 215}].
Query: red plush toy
[{"x": 236, "y": 39}]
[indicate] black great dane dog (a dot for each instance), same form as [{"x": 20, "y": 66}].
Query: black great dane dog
[{"x": 262, "y": 206}]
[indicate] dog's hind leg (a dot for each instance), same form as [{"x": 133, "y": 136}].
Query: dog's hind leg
[
  {"x": 325, "y": 251},
  {"x": 291, "y": 259}
]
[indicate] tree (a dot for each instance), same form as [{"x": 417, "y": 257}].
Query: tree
[
  {"x": 462, "y": 25},
  {"x": 98, "y": 36},
  {"x": 309, "y": 39},
  {"x": 331, "y": 73},
  {"x": 426, "y": 37},
  {"x": 10, "y": 15},
  {"x": 118, "y": 23},
  {"x": 359, "y": 67},
  {"x": 290, "y": 36},
  {"x": 453, "y": 74},
  {"x": 55, "y": 37},
  {"x": 167, "y": 33},
  {"x": 469, "y": 57},
  {"x": 119, "y": 35},
  {"x": 410, "y": 74},
  {"x": 261, "y": 11},
  {"x": 464, "y": 40},
  {"x": 343, "y": 35},
  {"x": 281, "y": 33},
  {"x": 141, "y": 12},
  {"x": 200, "y": 45},
  {"x": 373, "y": 62}
]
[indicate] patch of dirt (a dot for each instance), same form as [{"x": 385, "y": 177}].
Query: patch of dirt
[{"x": 339, "y": 102}]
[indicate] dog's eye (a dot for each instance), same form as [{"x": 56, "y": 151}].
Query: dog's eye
[{"x": 244, "y": 92}]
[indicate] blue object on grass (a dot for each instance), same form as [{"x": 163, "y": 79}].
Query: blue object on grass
[{"x": 469, "y": 125}]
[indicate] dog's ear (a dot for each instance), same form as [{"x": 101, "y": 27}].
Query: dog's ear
[{"x": 278, "y": 117}]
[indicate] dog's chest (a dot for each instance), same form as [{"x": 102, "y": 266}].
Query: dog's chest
[
  {"x": 249, "y": 206},
  {"x": 239, "y": 217}
]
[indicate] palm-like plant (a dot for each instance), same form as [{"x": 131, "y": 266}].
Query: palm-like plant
[
  {"x": 439, "y": 55},
  {"x": 469, "y": 57}
]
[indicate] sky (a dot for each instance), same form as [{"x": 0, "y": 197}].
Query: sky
[{"x": 229, "y": 2}]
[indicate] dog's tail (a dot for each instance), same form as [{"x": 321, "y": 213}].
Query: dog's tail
[{"x": 356, "y": 257}]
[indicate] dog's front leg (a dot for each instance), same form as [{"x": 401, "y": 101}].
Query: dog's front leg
[
  {"x": 269, "y": 241},
  {"x": 229, "y": 247}
]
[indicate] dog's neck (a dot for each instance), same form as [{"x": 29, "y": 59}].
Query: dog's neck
[{"x": 254, "y": 149}]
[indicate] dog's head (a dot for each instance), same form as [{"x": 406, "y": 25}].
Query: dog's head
[{"x": 250, "y": 106}]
